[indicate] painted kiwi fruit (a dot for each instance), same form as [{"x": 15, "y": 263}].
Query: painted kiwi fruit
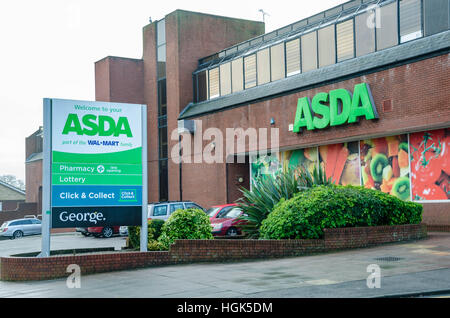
[
  {"x": 379, "y": 162},
  {"x": 401, "y": 188}
]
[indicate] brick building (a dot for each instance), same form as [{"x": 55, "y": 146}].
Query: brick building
[
  {"x": 33, "y": 168},
  {"x": 202, "y": 71},
  {"x": 10, "y": 197}
]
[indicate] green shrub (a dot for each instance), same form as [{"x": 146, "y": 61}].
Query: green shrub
[
  {"x": 190, "y": 224},
  {"x": 268, "y": 190},
  {"x": 154, "y": 232},
  {"x": 308, "y": 213}
]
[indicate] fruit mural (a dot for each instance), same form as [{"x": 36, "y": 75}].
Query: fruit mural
[
  {"x": 264, "y": 165},
  {"x": 430, "y": 165},
  {"x": 307, "y": 158},
  {"x": 385, "y": 165},
  {"x": 341, "y": 163}
]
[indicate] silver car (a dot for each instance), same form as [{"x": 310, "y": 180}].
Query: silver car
[
  {"x": 163, "y": 210},
  {"x": 19, "y": 228}
]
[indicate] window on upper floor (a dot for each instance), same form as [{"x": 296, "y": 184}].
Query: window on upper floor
[
  {"x": 293, "y": 57},
  {"x": 225, "y": 79},
  {"x": 277, "y": 61},
  {"x": 214, "y": 87},
  {"x": 327, "y": 47},
  {"x": 364, "y": 34},
  {"x": 309, "y": 51},
  {"x": 250, "y": 71},
  {"x": 263, "y": 58},
  {"x": 436, "y": 16},
  {"x": 345, "y": 40},
  {"x": 410, "y": 20},
  {"x": 237, "y": 75},
  {"x": 387, "y": 30}
]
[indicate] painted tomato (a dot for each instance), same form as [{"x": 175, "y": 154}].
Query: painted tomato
[
  {"x": 427, "y": 153},
  {"x": 429, "y": 192},
  {"x": 445, "y": 155}
]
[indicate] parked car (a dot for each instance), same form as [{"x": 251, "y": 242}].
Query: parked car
[
  {"x": 105, "y": 232},
  {"x": 21, "y": 227},
  {"x": 123, "y": 230},
  {"x": 217, "y": 211},
  {"x": 227, "y": 224},
  {"x": 83, "y": 230},
  {"x": 163, "y": 210}
]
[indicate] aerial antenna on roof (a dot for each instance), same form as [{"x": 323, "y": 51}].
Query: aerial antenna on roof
[{"x": 264, "y": 13}]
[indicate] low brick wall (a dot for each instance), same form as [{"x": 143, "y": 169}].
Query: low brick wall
[{"x": 191, "y": 251}]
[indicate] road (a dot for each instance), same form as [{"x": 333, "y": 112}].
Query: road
[{"x": 412, "y": 267}]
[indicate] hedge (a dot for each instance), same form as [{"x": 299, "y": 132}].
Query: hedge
[
  {"x": 308, "y": 213},
  {"x": 189, "y": 224}
]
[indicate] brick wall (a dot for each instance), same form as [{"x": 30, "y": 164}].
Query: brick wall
[
  {"x": 191, "y": 251},
  {"x": 20, "y": 212}
]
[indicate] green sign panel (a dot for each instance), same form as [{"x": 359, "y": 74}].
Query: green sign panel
[{"x": 335, "y": 108}]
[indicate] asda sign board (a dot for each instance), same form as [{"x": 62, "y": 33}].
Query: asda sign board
[
  {"x": 97, "y": 163},
  {"x": 335, "y": 108}
]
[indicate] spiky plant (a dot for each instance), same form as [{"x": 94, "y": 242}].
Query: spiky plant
[{"x": 268, "y": 190}]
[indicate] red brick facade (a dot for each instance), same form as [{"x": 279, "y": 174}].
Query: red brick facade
[
  {"x": 420, "y": 100},
  {"x": 193, "y": 251}
]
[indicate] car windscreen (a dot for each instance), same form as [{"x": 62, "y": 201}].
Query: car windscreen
[
  {"x": 233, "y": 213},
  {"x": 160, "y": 210},
  {"x": 212, "y": 212},
  {"x": 4, "y": 225}
]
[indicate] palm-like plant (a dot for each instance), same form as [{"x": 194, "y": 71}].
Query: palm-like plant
[{"x": 268, "y": 190}]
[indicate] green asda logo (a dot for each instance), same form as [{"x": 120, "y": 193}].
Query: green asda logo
[
  {"x": 91, "y": 125},
  {"x": 343, "y": 108}
]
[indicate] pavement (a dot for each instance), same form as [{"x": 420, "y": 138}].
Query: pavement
[{"x": 413, "y": 268}]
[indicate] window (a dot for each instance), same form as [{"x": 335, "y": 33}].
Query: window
[
  {"x": 237, "y": 75},
  {"x": 277, "y": 61},
  {"x": 175, "y": 207},
  {"x": 344, "y": 35},
  {"x": 225, "y": 79},
  {"x": 387, "y": 31},
  {"x": 161, "y": 33},
  {"x": 202, "y": 86},
  {"x": 160, "y": 210},
  {"x": 410, "y": 20},
  {"x": 1, "y": 206},
  {"x": 263, "y": 66},
  {"x": 364, "y": 35},
  {"x": 162, "y": 96},
  {"x": 250, "y": 71},
  {"x": 223, "y": 212},
  {"x": 327, "y": 48},
  {"x": 161, "y": 61},
  {"x": 293, "y": 57},
  {"x": 190, "y": 205},
  {"x": 163, "y": 180},
  {"x": 214, "y": 90},
  {"x": 309, "y": 51},
  {"x": 436, "y": 16}
]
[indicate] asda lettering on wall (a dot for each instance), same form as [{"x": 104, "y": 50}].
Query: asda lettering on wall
[
  {"x": 335, "y": 108},
  {"x": 96, "y": 164}
]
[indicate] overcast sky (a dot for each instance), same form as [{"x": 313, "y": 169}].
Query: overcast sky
[{"x": 48, "y": 49}]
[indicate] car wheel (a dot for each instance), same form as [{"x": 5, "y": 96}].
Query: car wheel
[
  {"x": 232, "y": 231},
  {"x": 85, "y": 234},
  {"x": 107, "y": 232},
  {"x": 17, "y": 234}
]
